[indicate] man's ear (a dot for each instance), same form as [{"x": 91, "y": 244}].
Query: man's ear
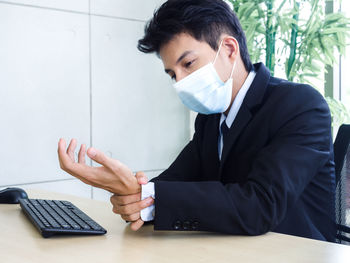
[{"x": 231, "y": 47}]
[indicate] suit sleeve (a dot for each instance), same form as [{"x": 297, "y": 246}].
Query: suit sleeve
[
  {"x": 187, "y": 165},
  {"x": 280, "y": 172}
]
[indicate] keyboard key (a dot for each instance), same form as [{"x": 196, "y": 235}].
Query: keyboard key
[{"x": 76, "y": 226}]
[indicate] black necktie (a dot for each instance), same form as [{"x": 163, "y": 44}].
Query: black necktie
[{"x": 224, "y": 132}]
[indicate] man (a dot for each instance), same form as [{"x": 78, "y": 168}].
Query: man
[{"x": 261, "y": 158}]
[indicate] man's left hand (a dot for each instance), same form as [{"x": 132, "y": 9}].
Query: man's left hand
[{"x": 112, "y": 176}]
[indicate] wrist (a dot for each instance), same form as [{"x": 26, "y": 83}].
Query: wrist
[
  {"x": 134, "y": 186},
  {"x": 127, "y": 186},
  {"x": 139, "y": 188}
]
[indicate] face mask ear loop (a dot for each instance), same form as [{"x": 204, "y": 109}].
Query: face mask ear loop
[
  {"x": 217, "y": 54},
  {"x": 233, "y": 69}
]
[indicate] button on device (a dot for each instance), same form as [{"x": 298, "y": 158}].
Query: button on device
[
  {"x": 195, "y": 225},
  {"x": 177, "y": 225},
  {"x": 187, "y": 225}
]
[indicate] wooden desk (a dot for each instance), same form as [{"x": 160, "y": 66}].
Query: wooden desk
[{"x": 21, "y": 242}]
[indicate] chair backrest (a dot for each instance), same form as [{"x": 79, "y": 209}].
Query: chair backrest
[
  {"x": 342, "y": 174},
  {"x": 341, "y": 146}
]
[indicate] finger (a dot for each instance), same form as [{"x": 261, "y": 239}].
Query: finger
[
  {"x": 81, "y": 171},
  {"x": 101, "y": 158},
  {"x": 81, "y": 155},
  {"x": 141, "y": 178},
  {"x": 131, "y": 218},
  {"x": 125, "y": 199},
  {"x": 136, "y": 225},
  {"x": 61, "y": 145},
  {"x": 63, "y": 158},
  {"x": 71, "y": 148},
  {"x": 134, "y": 207}
]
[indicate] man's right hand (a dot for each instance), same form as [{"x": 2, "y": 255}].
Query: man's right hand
[{"x": 129, "y": 206}]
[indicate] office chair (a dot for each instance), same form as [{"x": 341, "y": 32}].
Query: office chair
[{"x": 342, "y": 176}]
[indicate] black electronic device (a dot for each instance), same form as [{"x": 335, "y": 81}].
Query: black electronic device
[
  {"x": 12, "y": 195},
  {"x": 52, "y": 217}
]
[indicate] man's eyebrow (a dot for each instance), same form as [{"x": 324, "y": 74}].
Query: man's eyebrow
[
  {"x": 180, "y": 58},
  {"x": 183, "y": 56}
]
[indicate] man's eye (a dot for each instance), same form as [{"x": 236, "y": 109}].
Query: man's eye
[
  {"x": 188, "y": 64},
  {"x": 173, "y": 77}
]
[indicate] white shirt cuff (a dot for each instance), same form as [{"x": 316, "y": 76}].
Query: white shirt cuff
[{"x": 147, "y": 214}]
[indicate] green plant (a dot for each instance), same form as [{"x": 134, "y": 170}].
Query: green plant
[
  {"x": 297, "y": 36},
  {"x": 339, "y": 112}
]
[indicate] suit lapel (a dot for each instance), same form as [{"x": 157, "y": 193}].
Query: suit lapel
[{"x": 253, "y": 98}]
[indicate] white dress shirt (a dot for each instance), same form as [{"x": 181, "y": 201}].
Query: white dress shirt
[{"x": 147, "y": 214}]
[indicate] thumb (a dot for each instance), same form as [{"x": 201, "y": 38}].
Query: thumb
[
  {"x": 99, "y": 157},
  {"x": 141, "y": 178},
  {"x": 136, "y": 225}
]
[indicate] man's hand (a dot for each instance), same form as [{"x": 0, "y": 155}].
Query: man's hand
[
  {"x": 112, "y": 176},
  {"x": 130, "y": 206}
]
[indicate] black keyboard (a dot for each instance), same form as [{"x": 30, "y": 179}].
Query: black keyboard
[{"x": 53, "y": 217}]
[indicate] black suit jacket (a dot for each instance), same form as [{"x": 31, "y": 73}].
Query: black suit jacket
[{"x": 276, "y": 172}]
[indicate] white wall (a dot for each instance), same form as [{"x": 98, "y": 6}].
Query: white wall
[
  {"x": 345, "y": 64},
  {"x": 71, "y": 69}
]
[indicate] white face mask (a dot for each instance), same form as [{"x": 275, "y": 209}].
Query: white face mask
[{"x": 203, "y": 91}]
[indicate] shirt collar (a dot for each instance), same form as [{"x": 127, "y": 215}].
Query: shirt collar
[{"x": 236, "y": 105}]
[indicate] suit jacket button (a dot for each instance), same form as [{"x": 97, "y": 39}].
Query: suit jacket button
[
  {"x": 187, "y": 225},
  {"x": 177, "y": 225},
  {"x": 195, "y": 225}
]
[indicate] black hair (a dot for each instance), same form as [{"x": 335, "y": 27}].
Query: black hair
[{"x": 205, "y": 20}]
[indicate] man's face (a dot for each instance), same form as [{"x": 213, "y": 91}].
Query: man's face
[{"x": 184, "y": 54}]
